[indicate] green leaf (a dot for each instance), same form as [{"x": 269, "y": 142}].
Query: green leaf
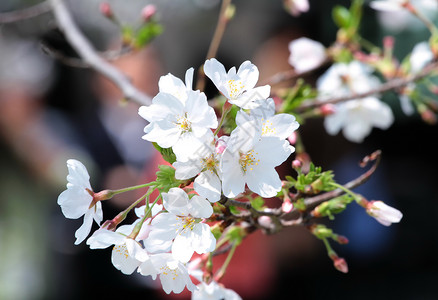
[
  {"x": 166, "y": 178},
  {"x": 166, "y": 153},
  {"x": 341, "y": 16},
  {"x": 258, "y": 203},
  {"x": 146, "y": 33},
  {"x": 234, "y": 210},
  {"x": 334, "y": 206},
  {"x": 235, "y": 235}
]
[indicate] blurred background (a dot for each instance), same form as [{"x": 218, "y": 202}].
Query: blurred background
[{"x": 50, "y": 112}]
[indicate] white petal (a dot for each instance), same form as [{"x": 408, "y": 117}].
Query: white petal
[
  {"x": 208, "y": 185},
  {"x": 103, "y": 238},
  {"x": 182, "y": 247},
  {"x": 78, "y": 174},
  {"x": 280, "y": 125},
  {"x": 164, "y": 132},
  {"x": 122, "y": 260},
  {"x": 200, "y": 207},
  {"x": 249, "y": 74},
  {"x": 176, "y": 201},
  {"x": 74, "y": 202},
  {"x": 215, "y": 71},
  {"x": 83, "y": 231},
  {"x": 266, "y": 183},
  {"x": 203, "y": 240}
]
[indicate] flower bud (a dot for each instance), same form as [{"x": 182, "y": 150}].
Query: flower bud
[
  {"x": 148, "y": 12},
  {"x": 340, "y": 264},
  {"x": 287, "y": 205},
  {"x": 265, "y": 221},
  {"x": 328, "y": 109},
  {"x": 296, "y": 164},
  {"x": 106, "y": 10},
  {"x": 292, "y": 138},
  {"x": 384, "y": 214},
  {"x": 221, "y": 145}
]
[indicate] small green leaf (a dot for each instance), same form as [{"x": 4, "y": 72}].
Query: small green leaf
[
  {"x": 166, "y": 178},
  {"x": 341, "y": 16},
  {"x": 235, "y": 235},
  {"x": 258, "y": 203},
  {"x": 146, "y": 33},
  {"x": 166, "y": 153}
]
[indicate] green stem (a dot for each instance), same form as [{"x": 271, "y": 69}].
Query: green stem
[
  {"x": 346, "y": 190},
  {"x": 224, "y": 267},
  {"x": 137, "y": 227},
  {"x": 224, "y": 114},
  {"x": 131, "y": 188},
  {"x": 432, "y": 28}
]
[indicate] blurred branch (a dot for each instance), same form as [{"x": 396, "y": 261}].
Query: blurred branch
[
  {"x": 78, "y": 62},
  {"x": 389, "y": 85},
  {"x": 90, "y": 56},
  {"x": 25, "y": 13}
]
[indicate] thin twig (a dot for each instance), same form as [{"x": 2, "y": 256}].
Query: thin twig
[
  {"x": 90, "y": 56},
  {"x": 25, "y": 13},
  {"x": 390, "y": 85},
  {"x": 215, "y": 42},
  {"x": 110, "y": 55}
]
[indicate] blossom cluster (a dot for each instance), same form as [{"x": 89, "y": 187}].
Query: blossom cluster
[{"x": 164, "y": 237}]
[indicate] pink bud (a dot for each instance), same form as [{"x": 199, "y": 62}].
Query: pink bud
[
  {"x": 429, "y": 117},
  {"x": 148, "y": 12},
  {"x": 328, "y": 109},
  {"x": 342, "y": 239},
  {"x": 221, "y": 145},
  {"x": 287, "y": 206},
  {"x": 296, "y": 164},
  {"x": 340, "y": 264},
  {"x": 292, "y": 138},
  {"x": 265, "y": 221},
  {"x": 105, "y": 9},
  {"x": 388, "y": 42}
]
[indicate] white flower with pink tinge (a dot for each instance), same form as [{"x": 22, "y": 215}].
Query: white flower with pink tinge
[
  {"x": 77, "y": 200},
  {"x": 214, "y": 291},
  {"x": 250, "y": 159},
  {"x": 238, "y": 87},
  {"x": 205, "y": 162},
  {"x": 177, "y": 124},
  {"x": 383, "y": 213},
  {"x": 306, "y": 54},
  {"x": 180, "y": 229}
]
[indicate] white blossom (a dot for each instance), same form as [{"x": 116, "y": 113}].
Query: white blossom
[
  {"x": 176, "y": 124},
  {"x": 306, "y": 54},
  {"x": 214, "y": 291},
  {"x": 238, "y": 87},
  {"x": 251, "y": 159},
  {"x": 173, "y": 85},
  {"x": 355, "y": 117},
  {"x": 174, "y": 276},
  {"x": 180, "y": 229},
  {"x": 77, "y": 200},
  {"x": 296, "y": 7},
  {"x": 421, "y": 55},
  {"x": 383, "y": 213},
  {"x": 127, "y": 254},
  {"x": 205, "y": 162},
  {"x": 388, "y": 5},
  {"x": 277, "y": 125}
]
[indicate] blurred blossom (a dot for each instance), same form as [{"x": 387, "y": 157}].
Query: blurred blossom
[
  {"x": 306, "y": 54},
  {"x": 394, "y": 17},
  {"x": 296, "y": 7}
]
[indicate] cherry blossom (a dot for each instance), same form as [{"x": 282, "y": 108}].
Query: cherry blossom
[
  {"x": 238, "y": 87},
  {"x": 356, "y": 117},
  {"x": 251, "y": 159},
  {"x": 205, "y": 162},
  {"x": 127, "y": 254},
  {"x": 77, "y": 200},
  {"x": 176, "y": 124},
  {"x": 174, "y": 276},
  {"x": 296, "y": 7},
  {"x": 173, "y": 85},
  {"x": 214, "y": 291},
  {"x": 180, "y": 229},
  {"x": 306, "y": 54},
  {"x": 383, "y": 213}
]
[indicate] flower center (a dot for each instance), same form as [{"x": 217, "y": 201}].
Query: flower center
[
  {"x": 248, "y": 160},
  {"x": 166, "y": 271},
  {"x": 267, "y": 127},
  {"x": 187, "y": 224},
  {"x": 183, "y": 124},
  {"x": 122, "y": 250},
  {"x": 235, "y": 88},
  {"x": 209, "y": 163}
]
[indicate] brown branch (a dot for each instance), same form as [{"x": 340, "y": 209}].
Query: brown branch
[
  {"x": 110, "y": 55},
  {"x": 25, "y": 13},
  {"x": 389, "y": 85},
  {"x": 90, "y": 56}
]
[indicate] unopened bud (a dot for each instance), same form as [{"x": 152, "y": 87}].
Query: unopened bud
[
  {"x": 340, "y": 239},
  {"x": 148, "y": 12},
  {"x": 388, "y": 42},
  {"x": 105, "y": 9},
  {"x": 428, "y": 116},
  {"x": 340, "y": 264},
  {"x": 328, "y": 109},
  {"x": 265, "y": 221},
  {"x": 292, "y": 138},
  {"x": 296, "y": 164},
  {"x": 287, "y": 205}
]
